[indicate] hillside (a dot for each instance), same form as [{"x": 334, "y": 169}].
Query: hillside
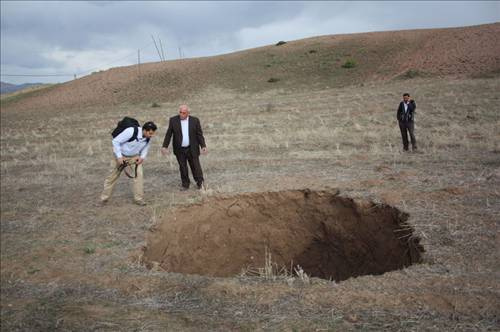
[
  {"x": 313, "y": 63},
  {"x": 308, "y": 63}
]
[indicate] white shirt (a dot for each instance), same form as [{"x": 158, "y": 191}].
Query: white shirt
[
  {"x": 406, "y": 106},
  {"x": 185, "y": 132},
  {"x": 121, "y": 146}
]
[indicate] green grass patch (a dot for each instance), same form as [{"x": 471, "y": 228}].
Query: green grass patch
[
  {"x": 89, "y": 250},
  {"x": 349, "y": 64}
]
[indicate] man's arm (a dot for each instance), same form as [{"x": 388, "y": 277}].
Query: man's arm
[
  {"x": 168, "y": 135},
  {"x": 398, "y": 111},
  {"x": 199, "y": 135}
]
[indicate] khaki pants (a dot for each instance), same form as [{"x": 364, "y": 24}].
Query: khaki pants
[{"x": 110, "y": 181}]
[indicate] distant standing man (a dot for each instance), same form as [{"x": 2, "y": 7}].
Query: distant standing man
[
  {"x": 132, "y": 150},
  {"x": 187, "y": 141},
  {"x": 405, "y": 116}
]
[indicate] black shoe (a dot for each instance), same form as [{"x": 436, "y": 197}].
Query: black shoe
[
  {"x": 184, "y": 188},
  {"x": 199, "y": 185}
]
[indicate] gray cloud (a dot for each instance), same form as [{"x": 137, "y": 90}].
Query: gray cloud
[{"x": 77, "y": 37}]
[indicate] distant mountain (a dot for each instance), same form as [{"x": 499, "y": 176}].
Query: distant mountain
[{"x": 8, "y": 87}]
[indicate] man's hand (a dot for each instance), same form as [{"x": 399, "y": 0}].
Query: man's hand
[
  {"x": 164, "y": 151},
  {"x": 120, "y": 161},
  {"x": 204, "y": 150},
  {"x": 138, "y": 160}
]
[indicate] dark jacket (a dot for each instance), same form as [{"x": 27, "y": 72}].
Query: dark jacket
[
  {"x": 196, "y": 139},
  {"x": 409, "y": 115}
]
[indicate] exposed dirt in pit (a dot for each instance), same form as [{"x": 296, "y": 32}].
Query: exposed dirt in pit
[{"x": 328, "y": 235}]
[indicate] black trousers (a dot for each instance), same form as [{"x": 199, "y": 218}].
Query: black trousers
[
  {"x": 408, "y": 127},
  {"x": 184, "y": 156}
]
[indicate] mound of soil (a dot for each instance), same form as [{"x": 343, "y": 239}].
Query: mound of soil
[{"x": 329, "y": 236}]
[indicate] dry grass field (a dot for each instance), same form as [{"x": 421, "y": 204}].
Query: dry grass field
[{"x": 70, "y": 264}]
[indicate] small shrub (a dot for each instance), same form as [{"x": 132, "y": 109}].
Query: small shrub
[
  {"x": 313, "y": 51},
  {"x": 349, "y": 64},
  {"x": 155, "y": 105},
  {"x": 281, "y": 42},
  {"x": 273, "y": 80},
  {"x": 89, "y": 250}
]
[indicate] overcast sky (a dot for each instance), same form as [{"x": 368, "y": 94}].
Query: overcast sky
[{"x": 51, "y": 37}]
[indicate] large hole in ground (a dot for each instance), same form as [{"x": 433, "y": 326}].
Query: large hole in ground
[{"x": 329, "y": 236}]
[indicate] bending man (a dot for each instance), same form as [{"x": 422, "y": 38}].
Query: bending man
[{"x": 128, "y": 149}]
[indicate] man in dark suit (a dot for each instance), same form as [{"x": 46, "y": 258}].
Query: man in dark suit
[
  {"x": 406, "y": 116},
  {"x": 187, "y": 141}
]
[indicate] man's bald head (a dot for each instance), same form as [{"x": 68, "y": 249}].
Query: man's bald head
[{"x": 183, "y": 112}]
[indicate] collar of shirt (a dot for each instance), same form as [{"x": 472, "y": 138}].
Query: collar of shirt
[{"x": 140, "y": 137}]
